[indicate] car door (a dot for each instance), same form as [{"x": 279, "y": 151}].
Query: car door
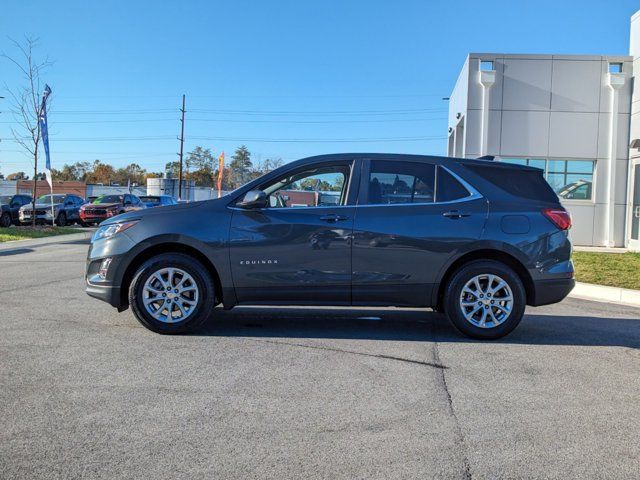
[
  {"x": 411, "y": 218},
  {"x": 75, "y": 208},
  {"x": 297, "y": 250},
  {"x": 14, "y": 207},
  {"x": 68, "y": 206}
]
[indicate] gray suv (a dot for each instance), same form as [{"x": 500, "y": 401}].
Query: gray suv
[{"x": 476, "y": 239}]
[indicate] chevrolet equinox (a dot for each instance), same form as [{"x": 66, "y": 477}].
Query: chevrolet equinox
[{"x": 475, "y": 239}]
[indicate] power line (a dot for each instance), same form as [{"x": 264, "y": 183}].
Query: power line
[
  {"x": 254, "y": 112},
  {"x": 247, "y": 139},
  {"x": 227, "y": 120}
]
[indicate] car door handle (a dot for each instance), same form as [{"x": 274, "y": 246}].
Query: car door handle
[
  {"x": 333, "y": 218},
  {"x": 455, "y": 214}
]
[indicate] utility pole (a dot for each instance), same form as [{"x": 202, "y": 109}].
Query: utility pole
[{"x": 181, "y": 138}]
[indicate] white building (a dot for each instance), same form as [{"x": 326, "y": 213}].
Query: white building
[{"x": 575, "y": 116}]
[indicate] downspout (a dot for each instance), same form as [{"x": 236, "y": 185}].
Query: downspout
[
  {"x": 615, "y": 81},
  {"x": 487, "y": 78}
]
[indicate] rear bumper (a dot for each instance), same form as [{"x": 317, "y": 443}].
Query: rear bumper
[{"x": 551, "y": 291}]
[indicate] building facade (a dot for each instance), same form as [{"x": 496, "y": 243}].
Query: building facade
[{"x": 574, "y": 116}]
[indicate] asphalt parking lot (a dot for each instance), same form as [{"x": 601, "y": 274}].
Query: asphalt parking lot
[{"x": 86, "y": 392}]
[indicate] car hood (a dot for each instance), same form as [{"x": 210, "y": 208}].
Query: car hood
[
  {"x": 101, "y": 205},
  {"x": 150, "y": 212},
  {"x": 42, "y": 205}
]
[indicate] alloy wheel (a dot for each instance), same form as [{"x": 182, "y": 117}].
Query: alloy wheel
[
  {"x": 170, "y": 295},
  {"x": 486, "y": 301}
]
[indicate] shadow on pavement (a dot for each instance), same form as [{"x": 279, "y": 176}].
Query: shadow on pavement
[
  {"x": 414, "y": 325},
  {"x": 15, "y": 251}
]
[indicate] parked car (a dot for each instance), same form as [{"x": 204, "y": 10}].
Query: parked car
[
  {"x": 107, "y": 206},
  {"x": 580, "y": 190},
  {"x": 475, "y": 239},
  {"x": 65, "y": 209},
  {"x": 10, "y": 209},
  {"x": 158, "y": 200}
]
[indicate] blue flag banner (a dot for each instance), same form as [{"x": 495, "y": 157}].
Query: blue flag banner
[{"x": 45, "y": 133}]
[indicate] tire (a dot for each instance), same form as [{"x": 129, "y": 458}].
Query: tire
[
  {"x": 202, "y": 299},
  {"x": 61, "y": 221},
  {"x": 490, "y": 310},
  {"x": 5, "y": 220}
]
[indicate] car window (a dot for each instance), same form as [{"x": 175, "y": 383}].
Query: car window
[
  {"x": 448, "y": 187},
  {"x": 400, "y": 182},
  {"x": 317, "y": 187}
]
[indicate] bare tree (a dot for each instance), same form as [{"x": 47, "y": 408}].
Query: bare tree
[{"x": 26, "y": 103}]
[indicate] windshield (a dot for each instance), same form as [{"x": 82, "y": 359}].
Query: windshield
[
  {"x": 108, "y": 199},
  {"x": 150, "y": 199},
  {"x": 47, "y": 199},
  {"x": 5, "y": 199}
]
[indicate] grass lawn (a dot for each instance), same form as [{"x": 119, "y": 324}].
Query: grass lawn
[
  {"x": 613, "y": 269},
  {"x": 22, "y": 233}
]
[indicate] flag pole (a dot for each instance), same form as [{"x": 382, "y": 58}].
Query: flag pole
[
  {"x": 53, "y": 211},
  {"x": 45, "y": 141}
]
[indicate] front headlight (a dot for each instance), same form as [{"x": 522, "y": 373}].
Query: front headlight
[{"x": 110, "y": 230}]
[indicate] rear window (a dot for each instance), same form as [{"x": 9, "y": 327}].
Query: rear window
[
  {"x": 518, "y": 182},
  {"x": 401, "y": 182}
]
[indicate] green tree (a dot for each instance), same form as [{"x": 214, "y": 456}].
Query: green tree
[
  {"x": 17, "y": 176},
  {"x": 200, "y": 165},
  {"x": 241, "y": 167},
  {"x": 133, "y": 173},
  {"x": 172, "y": 169}
]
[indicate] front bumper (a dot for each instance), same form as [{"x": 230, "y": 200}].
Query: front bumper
[
  {"x": 27, "y": 217},
  {"x": 107, "y": 293},
  {"x": 108, "y": 288},
  {"x": 93, "y": 218}
]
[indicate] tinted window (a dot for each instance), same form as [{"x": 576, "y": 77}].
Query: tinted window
[
  {"x": 401, "y": 182},
  {"x": 449, "y": 189},
  {"x": 518, "y": 182},
  {"x": 108, "y": 199}
]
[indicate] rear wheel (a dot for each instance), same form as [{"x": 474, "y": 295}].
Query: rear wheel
[
  {"x": 5, "y": 220},
  {"x": 485, "y": 299},
  {"x": 172, "y": 293}
]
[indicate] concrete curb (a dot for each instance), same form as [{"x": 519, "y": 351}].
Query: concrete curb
[
  {"x": 601, "y": 293},
  {"x": 29, "y": 242}
]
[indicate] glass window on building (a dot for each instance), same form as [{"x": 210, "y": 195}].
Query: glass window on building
[{"x": 570, "y": 179}]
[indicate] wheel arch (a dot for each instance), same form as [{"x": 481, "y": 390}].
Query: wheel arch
[
  {"x": 486, "y": 254},
  {"x": 167, "y": 247}
]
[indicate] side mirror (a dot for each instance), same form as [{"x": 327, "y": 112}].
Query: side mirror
[{"x": 253, "y": 199}]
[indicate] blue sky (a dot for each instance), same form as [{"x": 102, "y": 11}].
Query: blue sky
[{"x": 286, "y": 78}]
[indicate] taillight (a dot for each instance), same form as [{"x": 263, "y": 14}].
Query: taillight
[{"x": 559, "y": 217}]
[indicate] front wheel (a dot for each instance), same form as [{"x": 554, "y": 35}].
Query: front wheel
[
  {"x": 5, "y": 220},
  {"x": 172, "y": 293},
  {"x": 485, "y": 299},
  {"x": 61, "y": 221}
]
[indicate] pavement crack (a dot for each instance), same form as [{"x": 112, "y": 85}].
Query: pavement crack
[
  {"x": 437, "y": 365},
  {"x": 442, "y": 379}
]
